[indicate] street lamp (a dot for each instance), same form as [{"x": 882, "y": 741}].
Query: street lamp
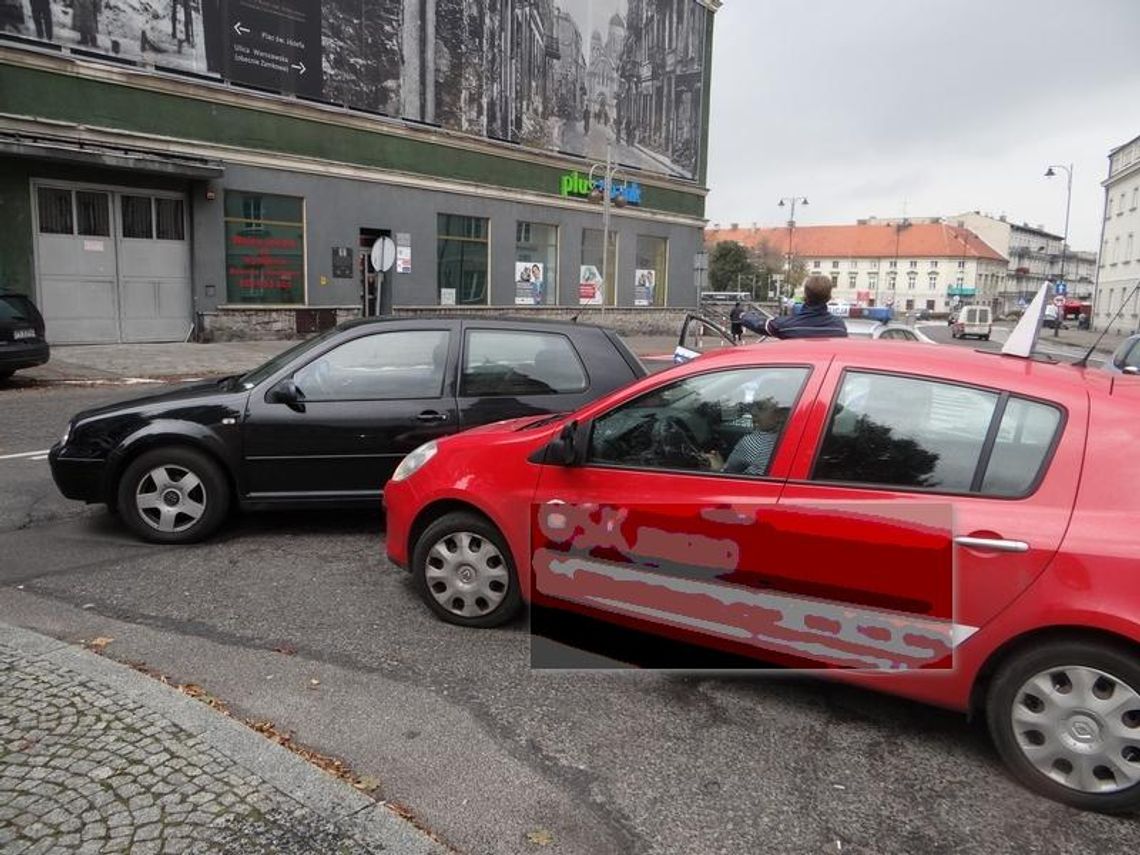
[
  {"x": 605, "y": 194},
  {"x": 1049, "y": 173},
  {"x": 790, "y": 201}
]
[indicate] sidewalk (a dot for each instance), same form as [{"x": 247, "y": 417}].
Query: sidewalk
[{"x": 96, "y": 757}]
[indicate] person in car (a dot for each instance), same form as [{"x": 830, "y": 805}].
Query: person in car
[
  {"x": 815, "y": 321},
  {"x": 753, "y": 451}
]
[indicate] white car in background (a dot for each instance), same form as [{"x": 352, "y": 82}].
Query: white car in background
[{"x": 870, "y": 328}]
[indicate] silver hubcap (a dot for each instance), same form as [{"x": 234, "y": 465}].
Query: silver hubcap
[
  {"x": 170, "y": 498},
  {"x": 466, "y": 574},
  {"x": 1080, "y": 727}
]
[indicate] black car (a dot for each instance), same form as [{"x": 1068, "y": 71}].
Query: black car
[
  {"x": 326, "y": 422},
  {"x": 22, "y": 340}
]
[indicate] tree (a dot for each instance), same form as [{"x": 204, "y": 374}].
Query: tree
[{"x": 731, "y": 267}]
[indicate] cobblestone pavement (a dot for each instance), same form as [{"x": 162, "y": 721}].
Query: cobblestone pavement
[{"x": 85, "y": 769}]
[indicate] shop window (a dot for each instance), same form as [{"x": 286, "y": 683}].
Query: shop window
[
  {"x": 137, "y": 217},
  {"x": 591, "y": 290},
  {"x": 536, "y": 264},
  {"x": 461, "y": 253},
  {"x": 649, "y": 277},
  {"x": 92, "y": 214},
  {"x": 55, "y": 211},
  {"x": 265, "y": 248},
  {"x": 169, "y": 223}
]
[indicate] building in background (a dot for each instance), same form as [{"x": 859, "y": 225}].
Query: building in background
[
  {"x": 911, "y": 265},
  {"x": 227, "y": 175},
  {"x": 1119, "y": 268}
]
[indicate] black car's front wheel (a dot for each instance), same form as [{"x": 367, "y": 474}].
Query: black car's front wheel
[
  {"x": 173, "y": 495},
  {"x": 1065, "y": 717},
  {"x": 463, "y": 570}
]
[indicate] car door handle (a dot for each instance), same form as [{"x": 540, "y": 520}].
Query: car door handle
[
  {"x": 992, "y": 544},
  {"x": 431, "y": 416}
]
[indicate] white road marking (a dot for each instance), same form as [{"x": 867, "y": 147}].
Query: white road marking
[{"x": 32, "y": 454}]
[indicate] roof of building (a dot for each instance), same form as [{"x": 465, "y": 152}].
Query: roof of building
[{"x": 919, "y": 240}]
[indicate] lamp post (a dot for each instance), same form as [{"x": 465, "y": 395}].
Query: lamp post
[
  {"x": 1049, "y": 173},
  {"x": 605, "y": 194},
  {"x": 790, "y": 201}
]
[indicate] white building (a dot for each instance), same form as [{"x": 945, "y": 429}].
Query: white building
[{"x": 1119, "y": 268}]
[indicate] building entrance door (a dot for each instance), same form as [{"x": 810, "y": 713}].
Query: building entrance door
[{"x": 112, "y": 265}]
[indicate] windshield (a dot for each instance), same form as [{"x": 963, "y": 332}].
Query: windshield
[{"x": 267, "y": 369}]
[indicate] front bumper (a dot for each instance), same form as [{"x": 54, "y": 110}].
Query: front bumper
[
  {"x": 399, "y": 513},
  {"x": 77, "y": 478},
  {"x": 16, "y": 355}
]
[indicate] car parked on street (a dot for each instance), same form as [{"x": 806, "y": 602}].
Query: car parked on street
[
  {"x": 973, "y": 321},
  {"x": 1040, "y": 633},
  {"x": 23, "y": 341},
  {"x": 326, "y": 422},
  {"x": 1126, "y": 358}
]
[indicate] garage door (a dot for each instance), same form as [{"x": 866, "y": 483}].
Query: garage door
[{"x": 112, "y": 265}]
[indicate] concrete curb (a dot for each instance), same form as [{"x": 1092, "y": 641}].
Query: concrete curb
[{"x": 274, "y": 764}]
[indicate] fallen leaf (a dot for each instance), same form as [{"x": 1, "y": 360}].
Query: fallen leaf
[
  {"x": 314, "y": 683},
  {"x": 542, "y": 837},
  {"x": 285, "y": 649},
  {"x": 98, "y": 644},
  {"x": 367, "y": 783}
]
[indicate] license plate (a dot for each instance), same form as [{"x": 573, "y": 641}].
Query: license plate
[{"x": 19, "y": 334}]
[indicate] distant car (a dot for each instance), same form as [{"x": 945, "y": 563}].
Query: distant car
[
  {"x": 325, "y": 423},
  {"x": 973, "y": 321},
  {"x": 628, "y": 511},
  {"x": 1126, "y": 358},
  {"x": 861, "y": 328},
  {"x": 23, "y": 342}
]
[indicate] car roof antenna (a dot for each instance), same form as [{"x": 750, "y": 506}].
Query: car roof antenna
[
  {"x": 1084, "y": 360},
  {"x": 1024, "y": 336}
]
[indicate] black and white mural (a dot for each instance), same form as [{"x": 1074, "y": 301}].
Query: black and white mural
[{"x": 576, "y": 76}]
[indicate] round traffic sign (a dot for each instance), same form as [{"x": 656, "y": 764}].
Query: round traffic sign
[{"x": 383, "y": 254}]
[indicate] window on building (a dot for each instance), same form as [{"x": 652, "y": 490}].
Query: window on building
[
  {"x": 961, "y": 265},
  {"x": 909, "y": 305},
  {"x": 911, "y": 278},
  {"x": 536, "y": 264},
  {"x": 461, "y": 255},
  {"x": 169, "y": 220},
  {"x": 1128, "y": 249},
  {"x": 835, "y": 265},
  {"x": 265, "y": 248},
  {"x": 1120, "y": 205},
  {"x": 815, "y": 264},
  {"x": 913, "y": 265},
  {"x": 591, "y": 290},
  {"x": 852, "y": 279},
  {"x": 93, "y": 213},
  {"x": 930, "y": 305},
  {"x": 934, "y": 262},
  {"x": 873, "y": 281},
  {"x": 932, "y": 281},
  {"x": 853, "y": 263},
  {"x": 891, "y": 280},
  {"x": 652, "y": 267},
  {"x": 960, "y": 281},
  {"x": 1108, "y": 208},
  {"x": 1135, "y": 196},
  {"x": 55, "y": 211},
  {"x": 874, "y": 263},
  {"x": 892, "y": 264},
  {"x": 834, "y": 279},
  {"x": 138, "y": 218},
  {"x": 1116, "y": 249}
]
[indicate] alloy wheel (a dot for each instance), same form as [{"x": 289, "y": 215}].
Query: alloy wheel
[
  {"x": 466, "y": 574},
  {"x": 1080, "y": 727}
]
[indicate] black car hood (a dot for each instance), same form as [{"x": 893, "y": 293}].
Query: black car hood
[{"x": 203, "y": 393}]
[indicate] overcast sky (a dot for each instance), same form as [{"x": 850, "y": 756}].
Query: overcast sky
[{"x": 865, "y": 106}]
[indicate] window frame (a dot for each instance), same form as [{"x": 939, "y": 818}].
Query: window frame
[
  {"x": 461, "y": 389},
  {"x": 984, "y": 454},
  {"x": 793, "y": 408},
  {"x": 252, "y": 223}
]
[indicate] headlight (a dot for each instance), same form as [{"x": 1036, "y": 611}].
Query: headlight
[
  {"x": 414, "y": 461},
  {"x": 66, "y": 435}
]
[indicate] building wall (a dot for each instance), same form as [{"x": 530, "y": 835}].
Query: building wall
[
  {"x": 1119, "y": 268},
  {"x": 980, "y": 274}
]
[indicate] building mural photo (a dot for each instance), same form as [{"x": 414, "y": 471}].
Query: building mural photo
[{"x": 575, "y": 76}]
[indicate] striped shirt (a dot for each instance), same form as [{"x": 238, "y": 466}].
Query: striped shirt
[{"x": 751, "y": 454}]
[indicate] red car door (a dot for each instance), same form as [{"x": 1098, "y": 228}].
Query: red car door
[
  {"x": 653, "y": 525},
  {"x": 1002, "y": 464}
]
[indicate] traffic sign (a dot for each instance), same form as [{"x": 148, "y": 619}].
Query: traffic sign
[
  {"x": 1060, "y": 289},
  {"x": 1058, "y": 300},
  {"x": 383, "y": 254}
]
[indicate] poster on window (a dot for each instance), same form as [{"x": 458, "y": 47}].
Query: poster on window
[
  {"x": 530, "y": 283},
  {"x": 591, "y": 289},
  {"x": 644, "y": 285}
]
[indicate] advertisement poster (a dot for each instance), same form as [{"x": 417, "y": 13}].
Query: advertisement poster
[
  {"x": 447, "y": 296},
  {"x": 644, "y": 284},
  {"x": 590, "y": 286},
  {"x": 530, "y": 283},
  {"x": 403, "y": 252}
]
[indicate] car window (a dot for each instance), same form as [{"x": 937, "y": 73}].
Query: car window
[
  {"x": 403, "y": 364},
  {"x": 503, "y": 362},
  {"x": 1128, "y": 354},
  {"x": 726, "y": 422},
  {"x": 273, "y": 365},
  {"x": 905, "y": 432},
  {"x": 900, "y": 334},
  {"x": 14, "y": 309},
  {"x": 1023, "y": 441}
]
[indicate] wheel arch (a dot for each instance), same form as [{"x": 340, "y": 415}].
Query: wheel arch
[
  {"x": 131, "y": 449},
  {"x": 1034, "y": 638},
  {"x": 436, "y": 509}
]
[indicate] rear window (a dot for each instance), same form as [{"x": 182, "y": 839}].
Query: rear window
[{"x": 16, "y": 309}]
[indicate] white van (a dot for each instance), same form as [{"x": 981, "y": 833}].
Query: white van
[{"x": 973, "y": 321}]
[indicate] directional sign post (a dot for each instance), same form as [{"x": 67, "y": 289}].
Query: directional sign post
[{"x": 275, "y": 45}]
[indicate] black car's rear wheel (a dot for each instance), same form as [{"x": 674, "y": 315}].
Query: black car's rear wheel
[
  {"x": 464, "y": 571},
  {"x": 1065, "y": 717},
  {"x": 173, "y": 495}
]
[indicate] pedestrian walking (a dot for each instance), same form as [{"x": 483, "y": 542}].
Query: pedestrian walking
[
  {"x": 737, "y": 328},
  {"x": 85, "y": 20},
  {"x": 41, "y": 15}
]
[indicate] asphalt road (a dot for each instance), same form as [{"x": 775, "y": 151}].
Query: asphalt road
[{"x": 456, "y": 726}]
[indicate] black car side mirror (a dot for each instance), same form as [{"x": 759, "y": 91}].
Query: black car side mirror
[
  {"x": 564, "y": 450},
  {"x": 286, "y": 392}
]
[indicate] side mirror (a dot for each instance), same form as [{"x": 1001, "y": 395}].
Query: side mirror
[
  {"x": 564, "y": 450},
  {"x": 286, "y": 392}
]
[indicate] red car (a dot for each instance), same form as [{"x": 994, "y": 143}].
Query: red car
[{"x": 955, "y": 528}]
